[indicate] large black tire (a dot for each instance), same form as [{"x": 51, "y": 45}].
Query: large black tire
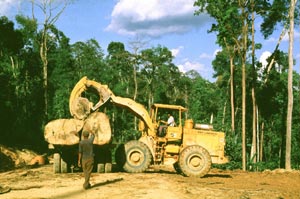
[
  {"x": 120, "y": 157},
  {"x": 138, "y": 157},
  {"x": 56, "y": 163},
  {"x": 195, "y": 161}
]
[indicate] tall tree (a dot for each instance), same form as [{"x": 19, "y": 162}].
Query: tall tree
[
  {"x": 283, "y": 12},
  {"x": 256, "y": 8},
  {"x": 155, "y": 62},
  {"x": 11, "y": 43},
  {"x": 51, "y": 10},
  {"x": 228, "y": 27},
  {"x": 290, "y": 87},
  {"x": 137, "y": 44},
  {"x": 89, "y": 60},
  {"x": 237, "y": 17},
  {"x": 119, "y": 63},
  {"x": 243, "y": 54}
]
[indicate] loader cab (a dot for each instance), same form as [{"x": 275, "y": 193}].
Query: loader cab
[{"x": 159, "y": 113}]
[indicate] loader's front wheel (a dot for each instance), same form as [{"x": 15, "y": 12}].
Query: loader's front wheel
[
  {"x": 137, "y": 157},
  {"x": 195, "y": 161}
]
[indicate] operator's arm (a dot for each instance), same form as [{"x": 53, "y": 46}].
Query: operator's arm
[{"x": 162, "y": 121}]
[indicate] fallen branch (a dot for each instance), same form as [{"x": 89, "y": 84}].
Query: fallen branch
[{"x": 26, "y": 187}]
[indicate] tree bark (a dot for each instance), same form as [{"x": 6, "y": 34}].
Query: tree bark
[
  {"x": 290, "y": 88},
  {"x": 261, "y": 142},
  {"x": 253, "y": 155},
  {"x": 232, "y": 94},
  {"x": 254, "y": 145},
  {"x": 44, "y": 58},
  {"x": 244, "y": 57}
]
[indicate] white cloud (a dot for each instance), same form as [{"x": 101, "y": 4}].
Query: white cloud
[
  {"x": 6, "y": 5},
  {"x": 205, "y": 71},
  {"x": 217, "y": 51},
  {"x": 154, "y": 18},
  {"x": 285, "y": 37},
  {"x": 176, "y": 51},
  {"x": 272, "y": 39},
  {"x": 188, "y": 65},
  {"x": 206, "y": 56},
  {"x": 209, "y": 56},
  {"x": 263, "y": 58}
]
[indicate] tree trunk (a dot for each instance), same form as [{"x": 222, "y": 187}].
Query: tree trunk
[
  {"x": 253, "y": 146},
  {"x": 232, "y": 94},
  {"x": 290, "y": 88},
  {"x": 257, "y": 135},
  {"x": 244, "y": 115},
  {"x": 244, "y": 58},
  {"x": 270, "y": 65},
  {"x": 254, "y": 119},
  {"x": 224, "y": 113},
  {"x": 261, "y": 142},
  {"x": 135, "y": 91},
  {"x": 44, "y": 58}
]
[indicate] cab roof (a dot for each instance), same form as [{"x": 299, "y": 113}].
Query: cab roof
[{"x": 169, "y": 106}]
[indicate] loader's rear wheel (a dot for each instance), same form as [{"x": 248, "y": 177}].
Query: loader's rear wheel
[
  {"x": 138, "y": 157},
  {"x": 195, "y": 161}
]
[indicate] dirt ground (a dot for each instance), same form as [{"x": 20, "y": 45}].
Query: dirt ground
[{"x": 163, "y": 183}]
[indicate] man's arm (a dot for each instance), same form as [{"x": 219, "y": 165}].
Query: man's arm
[
  {"x": 79, "y": 159},
  {"x": 92, "y": 137},
  {"x": 79, "y": 155}
]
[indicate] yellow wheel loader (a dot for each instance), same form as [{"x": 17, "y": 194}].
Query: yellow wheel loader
[{"x": 190, "y": 148}]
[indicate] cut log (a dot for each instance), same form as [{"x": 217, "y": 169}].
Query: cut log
[
  {"x": 63, "y": 131},
  {"x": 98, "y": 123}
]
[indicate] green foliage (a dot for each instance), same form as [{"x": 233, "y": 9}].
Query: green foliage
[
  {"x": 158, "y": 81},
  {"x": 262, "y": 166},
  {"x": 127, "y": 135},
  {"x": 11, "y": 40},
  {"x": 204, "y": 101}
]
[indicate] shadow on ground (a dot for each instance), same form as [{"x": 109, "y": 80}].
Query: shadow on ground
[{"x": 79, "y": 191}]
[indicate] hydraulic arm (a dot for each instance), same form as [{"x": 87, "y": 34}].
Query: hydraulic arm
[{"x": 81, "y": 107}]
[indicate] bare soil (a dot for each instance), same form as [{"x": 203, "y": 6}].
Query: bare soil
[{"x": 162, "y": 183}]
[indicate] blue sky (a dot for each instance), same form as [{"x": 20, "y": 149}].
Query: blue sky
[{"x": 169, "y": 23}]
